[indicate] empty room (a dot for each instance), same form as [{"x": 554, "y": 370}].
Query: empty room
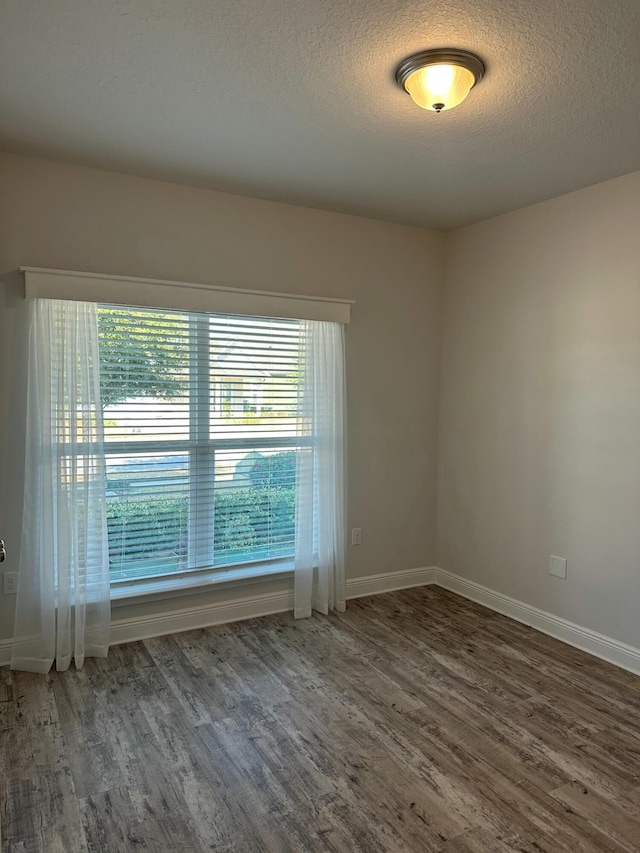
[{"x": 320, "y": 426}]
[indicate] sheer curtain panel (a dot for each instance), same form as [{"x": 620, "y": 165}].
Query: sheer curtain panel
[
  {"x": 319, "y": 575},
  {"x": 62, "y": 606}
]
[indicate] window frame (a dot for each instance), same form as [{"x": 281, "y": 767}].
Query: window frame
[
  {"x": 200, "y": 448},
  {"x": 208, "y": 298}
]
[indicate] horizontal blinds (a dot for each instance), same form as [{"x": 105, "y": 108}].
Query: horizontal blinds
[
  {"x": 155, "y": 293},
  {"x": 201, "y": 421}
]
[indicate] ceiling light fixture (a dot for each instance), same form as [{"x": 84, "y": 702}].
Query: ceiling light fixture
[{"x": 439, "y": 79}]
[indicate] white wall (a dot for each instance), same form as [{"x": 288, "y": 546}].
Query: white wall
[
  {"x": 539, "y": 433},
  {"x": 68, "y": 217}
]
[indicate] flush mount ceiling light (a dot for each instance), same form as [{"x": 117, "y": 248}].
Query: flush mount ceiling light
[{"x": 439, "y": 79}]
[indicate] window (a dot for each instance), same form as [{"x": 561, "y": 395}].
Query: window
[
  {"x": 223, "y": 446},
  {"x": 201, "y": 427}
]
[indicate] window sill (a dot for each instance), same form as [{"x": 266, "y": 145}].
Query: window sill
[{"x": 133, "y": 592}]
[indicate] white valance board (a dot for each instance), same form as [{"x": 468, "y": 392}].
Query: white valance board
[{"x": 179, "y": 296}]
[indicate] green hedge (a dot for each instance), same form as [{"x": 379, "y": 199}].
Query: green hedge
[
  {"x": 160, "y": 522},
  {"x": 275, "y": 471},
  {"x": 244, "y": 519}
]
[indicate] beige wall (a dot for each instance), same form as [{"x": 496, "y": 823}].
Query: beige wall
[
  {"x": 55, "y": 215},
  {"x": 539, "y": 435},
  {"x": 539, "y": 430}
]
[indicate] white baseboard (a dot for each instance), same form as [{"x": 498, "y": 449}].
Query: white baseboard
[
  {"x": 125, "y": 630},
  {"x": 5, "y": 652},
  {"x": 599, "y": 645},
  {"x": 199, "y": 616},
  {"x": 390, "y": 581}
]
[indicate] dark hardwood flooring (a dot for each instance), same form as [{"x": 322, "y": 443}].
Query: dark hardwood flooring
[{"x": 417, "y": 721}]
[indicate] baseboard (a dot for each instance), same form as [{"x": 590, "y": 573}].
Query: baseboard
[
  {"x": 390, "y": 581},
  {"x": 125, "y": 630},
  {"x": 199, "y": 616},
  {"x": 599, "y": 645}
]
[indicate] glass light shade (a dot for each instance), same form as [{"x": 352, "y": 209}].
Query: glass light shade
[{"x": 439, "y": 87}]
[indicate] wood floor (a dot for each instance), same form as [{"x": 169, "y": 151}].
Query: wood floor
[{"x": 417, "y": 721}]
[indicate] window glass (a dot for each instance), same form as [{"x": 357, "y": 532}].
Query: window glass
[{"x": 200, "y": 419}]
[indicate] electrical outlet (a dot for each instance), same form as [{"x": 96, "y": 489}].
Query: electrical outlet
[
  {"x": 356, "y": 536},
  {"x": 10, "y": 583},
  {"x": 558, "y": 567}
]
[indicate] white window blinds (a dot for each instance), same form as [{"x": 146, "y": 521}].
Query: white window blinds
[
  {"x": 201, "y": 434},
  {"x": 223, "y": 418}
]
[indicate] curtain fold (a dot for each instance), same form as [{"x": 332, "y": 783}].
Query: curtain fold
[
  {"x": 319, "y": 576},
  {"x": 62, "y": 605}
]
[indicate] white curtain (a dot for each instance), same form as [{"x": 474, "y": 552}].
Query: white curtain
[
  {"x": 62, "y": 607},
  {"x": 319, "y": 581}
]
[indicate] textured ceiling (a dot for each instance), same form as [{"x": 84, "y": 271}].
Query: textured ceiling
[{"x": 295, "y": 99}]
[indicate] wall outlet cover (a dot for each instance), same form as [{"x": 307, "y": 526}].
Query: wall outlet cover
[
  {"x": 10, "y": 583},
  {"x": 558, "y": 567}
]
